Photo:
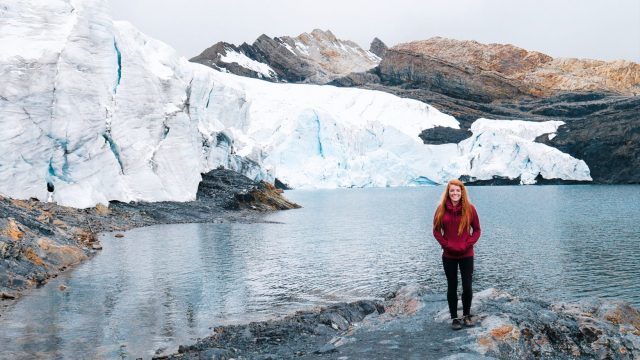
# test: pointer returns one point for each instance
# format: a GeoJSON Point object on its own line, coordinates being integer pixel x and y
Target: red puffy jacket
{"type": "Point", "coordinates": [457, 246]}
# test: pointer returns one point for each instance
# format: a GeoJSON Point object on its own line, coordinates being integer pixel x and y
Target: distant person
{"type": "Point", "coordinates": [456, 226]}
{"type": "Point", "coordinates": [50, 189]}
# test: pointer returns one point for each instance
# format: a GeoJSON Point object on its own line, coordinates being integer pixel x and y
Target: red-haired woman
{"type": "Point", "coordinates": [456, 226]}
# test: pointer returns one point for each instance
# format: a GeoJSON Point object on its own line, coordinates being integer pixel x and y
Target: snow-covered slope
{"type": "Point", "coordinates": [310, 58]}
{"type": "Point", "coordinates": [106, 113]}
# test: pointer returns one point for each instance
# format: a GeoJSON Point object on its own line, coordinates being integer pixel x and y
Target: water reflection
{"type": "Point", "coordinates": [165, 285]}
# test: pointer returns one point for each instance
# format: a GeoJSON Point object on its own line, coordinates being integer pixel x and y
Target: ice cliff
{"type": "Point", "coordinates": [106, 113]}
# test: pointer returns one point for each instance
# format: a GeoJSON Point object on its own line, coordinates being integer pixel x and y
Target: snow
{"type": "Point", "coordinates": [302, 48]}
{"type": "Point", "coordinates": [247, 63]}
{"type": "Point", "coordinates": [506, 148]}
{"type": "Point", "coordinates": [373, 56]}
{"type": "Point", "coordinates": [288, 47]}
{"type": "Point", "coordinates": [106, 113]}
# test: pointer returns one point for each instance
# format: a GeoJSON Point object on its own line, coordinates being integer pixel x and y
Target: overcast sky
{"type": "Point", "coordinates": [605, 30]}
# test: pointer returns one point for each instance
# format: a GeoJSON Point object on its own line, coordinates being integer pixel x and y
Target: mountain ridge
{"type": "Point", "coordinates": [316, 57]}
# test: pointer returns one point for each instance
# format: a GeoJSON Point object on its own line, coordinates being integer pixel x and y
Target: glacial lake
{"type": "Point", "coordinates": [166, 285]}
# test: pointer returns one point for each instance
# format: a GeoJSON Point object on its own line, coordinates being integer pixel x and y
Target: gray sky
{"type": "Point", "coordinates": [604, 30]}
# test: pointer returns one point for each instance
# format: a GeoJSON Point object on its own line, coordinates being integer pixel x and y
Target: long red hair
{"type": "Point", "coordinates": [467, 212]}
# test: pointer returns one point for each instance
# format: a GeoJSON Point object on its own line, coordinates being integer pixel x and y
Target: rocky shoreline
{"type": "Point", "coordinates": [39, 240]}
{"type": "Point", "coordinates": [413, 323]}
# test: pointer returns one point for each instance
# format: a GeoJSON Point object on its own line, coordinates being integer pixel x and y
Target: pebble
{"type": "Point", "coordinates": [7, 296]}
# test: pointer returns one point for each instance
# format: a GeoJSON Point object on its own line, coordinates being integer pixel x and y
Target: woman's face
{"type": "Point", "coordinates": [455, 193]}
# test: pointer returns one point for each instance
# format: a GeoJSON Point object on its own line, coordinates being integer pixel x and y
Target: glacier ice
{"type": "Point", "coordinates": [107, 113]}
{"type": "Point", "coordinates": [506, 148]}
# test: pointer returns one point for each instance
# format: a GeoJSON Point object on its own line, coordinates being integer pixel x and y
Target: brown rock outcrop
{"type": "Point", "coordinates": [532, 72]}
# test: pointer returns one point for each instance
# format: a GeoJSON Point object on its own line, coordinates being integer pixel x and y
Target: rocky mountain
{"type": "Point", "coordinates": [378, 47]}
{"type": "Point", "coordinates": [598, 101]}
{"type": "Point", "coordinates": [317, 58]}
{"type": "Point", "coordinates": [502, 71]}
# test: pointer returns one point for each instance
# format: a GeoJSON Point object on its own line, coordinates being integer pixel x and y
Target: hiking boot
{"type": "Point", "coordinates": [468, 321]}
{"type": "Point", "coordinates": [456, 324]}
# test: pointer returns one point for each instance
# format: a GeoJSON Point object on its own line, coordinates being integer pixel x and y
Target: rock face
{"type": "Point", "coordinates": [598, 101]}
{"type": "Point", "coordinates": [317, 57]}
{"type": "Point", "coordinates": [38, 240]}
{"type": "Point", "coordinates": [235, 192]}
{"type": "Point", "coordinates": [533, 73]}
{"type": "Point", "coordinates": [378, 47]}
{"type": "Point", "coordinates": [401, 66]}
{"type": "Point", "coordinates": [413, 323]}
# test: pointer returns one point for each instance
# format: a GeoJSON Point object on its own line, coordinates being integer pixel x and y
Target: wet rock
{"type": "Point", "coordinates": [305, 332]}
{"type": "Point", "coordinates": [40, 278]}
{"type": "Point", "coordinates": [280, 185]}
{"type": "Point", "coordinates": [334, 320]}
{"type": "Point", "coordinates": [508, 328]}
{"type": "Point", "coordinates": [326, 348]}
{"type": "Point", "coordinates": [405, 301]}
{"type": "Point", "coordinates": [216, 354]}
{"type": "Point", "coordinates": [269, 357]}
{"type": "Point", "coordinates": [10, 228]}
{"type": "Point", "coordinates": [7, 296]}
{"type": "Point", "coordinates": [264, 197]}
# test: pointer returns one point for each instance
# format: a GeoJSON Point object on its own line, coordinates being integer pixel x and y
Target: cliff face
{"type": "Point", "coordinates": [378, 47]}
{"type": "Point", "coordinates": [414, 70]}
{"type": "Point", "coordinates": [317, 57]}
{"type": "Point", "coordinates": [532, 72]}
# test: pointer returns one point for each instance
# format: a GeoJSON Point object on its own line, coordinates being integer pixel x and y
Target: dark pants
{"type": "Point", "coordinates": [466, 272]}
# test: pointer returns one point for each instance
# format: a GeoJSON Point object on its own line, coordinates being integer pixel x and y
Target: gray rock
{"type": "Point", "coordinates": [508, 328]}
{"type": "Point", "coordinates": [215, 354]}
{"type": "Point", "coordinates": [444, 135]}
{"type": "Point", "coordinates": [378, 47]}
{"type": "Point", "coordinates": [308, 58]}
{"type": "Point", "coordinates": [326, 348]}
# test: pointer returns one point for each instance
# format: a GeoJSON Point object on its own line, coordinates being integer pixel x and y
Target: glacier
{"type": "Point", "coordinates": [104, 112]}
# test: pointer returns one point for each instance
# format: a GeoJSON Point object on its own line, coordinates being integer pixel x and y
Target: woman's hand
{"type": "Point", "coordinates": [456, 248]}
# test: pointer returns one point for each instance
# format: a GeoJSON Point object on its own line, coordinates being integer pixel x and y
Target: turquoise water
{"type": "Point", "coordinates": [166, 285]}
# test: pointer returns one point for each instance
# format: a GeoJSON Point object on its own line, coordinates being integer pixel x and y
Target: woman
{"type": "Point", "coordinates": [456, 226]}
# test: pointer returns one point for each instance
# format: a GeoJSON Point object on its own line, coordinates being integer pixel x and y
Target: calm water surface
{"type": "Point", "coordinates": [166, 285]}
